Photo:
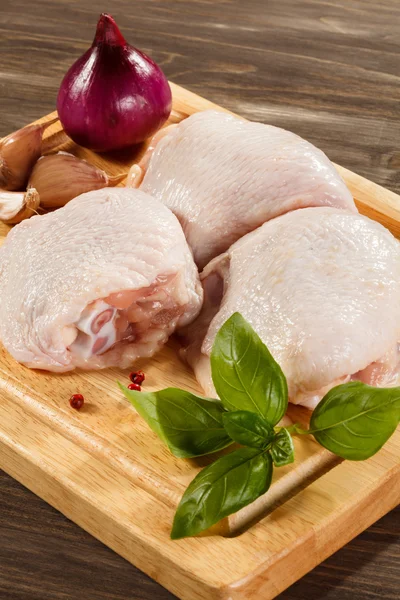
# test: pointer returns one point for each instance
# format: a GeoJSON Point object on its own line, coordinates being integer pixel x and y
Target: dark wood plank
{"type": "Point", "coordinates": [327, 70]}
{"type": "Point", "coordinates": [44, 556]}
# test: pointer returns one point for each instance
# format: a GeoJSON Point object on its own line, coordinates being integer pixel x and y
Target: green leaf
{"type": "Point", "coordinates": [230, 483]}
{"type": "Point", "coordinates": [354, 420]}
{"type": "Point", "coordinates": [245, 374]}
{"type": "Point", "coordinates": [189, 425]}
{"type": "Point", "coordinates": [282, 449]}
{"type": "Point", "coordinates": [247, 428]}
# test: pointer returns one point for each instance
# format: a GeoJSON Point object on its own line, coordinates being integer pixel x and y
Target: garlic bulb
{"type": "Point", "coordinates": [18, 153]}
{"type": "Point", "coordinates": [17, 206]}
{"type": "Point", "coordinates": [58, 178]}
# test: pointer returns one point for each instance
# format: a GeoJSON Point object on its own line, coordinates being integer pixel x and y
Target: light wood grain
{"type": "Point", "coordinates": [104, 469]}
{"type": "Point", "coordinates": [328, 71]}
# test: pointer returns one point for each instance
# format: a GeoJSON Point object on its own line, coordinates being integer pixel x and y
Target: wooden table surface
{"type": "Point", "coordinates": [328, 70]}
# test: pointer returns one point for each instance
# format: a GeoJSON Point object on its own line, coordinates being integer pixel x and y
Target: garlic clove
{"type": "Point", "coordinates": [51, 142]}
{"type": "Point", "coordinates": [18, 153]}
{"type": "Point", "coordinates": [17, 206]}
{"type": "Point", "coordinates": [135, 176]}
{"type": "Point", "coordinates": [60, 177]}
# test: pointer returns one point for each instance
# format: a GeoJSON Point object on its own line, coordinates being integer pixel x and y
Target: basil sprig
{"type": "Point", "coordinates": [248, 429]}
{"type": "Point", "coordinates": [189, 425]}
{"type": "Point", "coordinates": [353, 420]}
{"type": "Point", "coordinates": [230, 483]}
{"type": "Point", "coordinates": [245, 374]}
{"type": "Point", "coordinates": [282, 448]}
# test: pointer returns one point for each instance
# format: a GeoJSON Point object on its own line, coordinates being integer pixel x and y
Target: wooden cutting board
{"type": "Point", "coordinates": [104, 469]}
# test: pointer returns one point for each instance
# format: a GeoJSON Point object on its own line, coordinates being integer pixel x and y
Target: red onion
{"type": "Point", "coordinates": [114, 95]}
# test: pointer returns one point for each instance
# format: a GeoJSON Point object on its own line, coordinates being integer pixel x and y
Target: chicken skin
{"type": "Point", "coordinates": [223, 177]}
{"type": "Point", "coordinates": [98, 283]}
{"type": "Point", "coordinates": [322, 289]}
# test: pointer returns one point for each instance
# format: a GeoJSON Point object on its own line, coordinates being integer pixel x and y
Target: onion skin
{"type": "Point", "coordinates": [114, 96]}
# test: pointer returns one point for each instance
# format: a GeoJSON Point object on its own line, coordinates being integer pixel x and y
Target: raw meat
{"type": "Point", "coordinates": [100, 282]}
{"type": "Point", "coordinates": [223, 177]}
{"type": "Point", "coordinates": [322, 289]}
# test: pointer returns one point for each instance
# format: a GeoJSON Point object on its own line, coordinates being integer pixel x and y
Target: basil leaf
{"type": "Point", "coordinates": [189, 425]}
{"type": "Point", "coordinates": [354, 420]}
{"type": "Point", "coordinates": [245, 374]}
{"type": "Point", "coordinates": [247, 428]}
{"type": "Point", "coordinates": [282, 449]}
{"type": "Point", "coordinates": [230, 483]}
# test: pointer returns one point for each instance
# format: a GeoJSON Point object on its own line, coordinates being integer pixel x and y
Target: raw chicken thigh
{"type": "Point", "coordinates": [322, 289]}
{"type": "Point", "coordinates": [100, 282]}
{"type": "Point", "coordinates": [223, 177]}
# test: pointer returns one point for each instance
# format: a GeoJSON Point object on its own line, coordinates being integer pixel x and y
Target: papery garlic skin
{"type": "Point", "coordinates": [60, 177]}
{"type": "Point", "coordinates": [17, 206]}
